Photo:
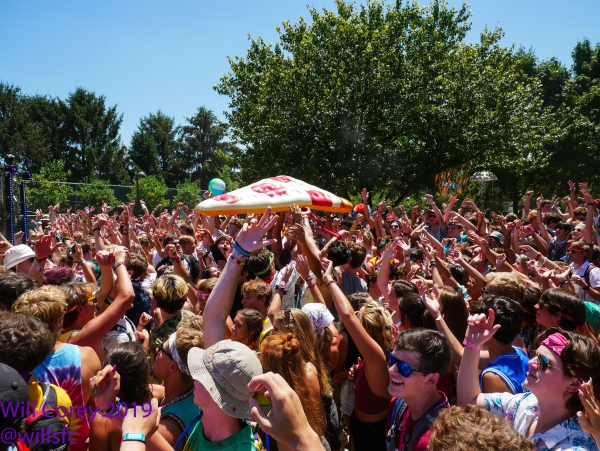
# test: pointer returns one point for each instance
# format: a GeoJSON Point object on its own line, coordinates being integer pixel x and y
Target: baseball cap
{"type": "Point", "coordinates": [17, 254]}
{"type": "Point", "coordinates": [225, 370]}
{"type": "Point", "coordinates": [13, 392]}
{"type": "Point", "coordinates": [496, 235]}
{"type": "Point", "coordinates": [391, 217]}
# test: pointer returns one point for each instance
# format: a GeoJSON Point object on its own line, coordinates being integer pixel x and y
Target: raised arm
{"type": "Point", "coordinates": [219, 303]}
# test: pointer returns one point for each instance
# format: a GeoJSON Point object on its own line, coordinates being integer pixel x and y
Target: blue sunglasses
{"type": "Point", "coordinates": [403, 368]}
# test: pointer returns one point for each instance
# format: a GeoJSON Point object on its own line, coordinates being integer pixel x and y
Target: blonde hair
{"type": "Point", "coordinates": [506, 284]}
{"type": "Point", "coordinates": [260, 289]}
{"type": "Point", "coordinates": [377, 321]}
{"type": "Point", "coordinates": [190, 334]}
{"type": "Point", "coordinates": [46, 303]}
{"type": "Point", "coordinates": [170, 292]}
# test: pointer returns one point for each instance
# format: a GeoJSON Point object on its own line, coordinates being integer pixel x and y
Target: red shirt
{"type": "Point", "coordinates": [408, 424]}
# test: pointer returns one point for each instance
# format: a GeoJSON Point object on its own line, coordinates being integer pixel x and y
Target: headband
{"type": "Point", "coordinates": [555, 342]}
{"type": "Point", "coordinates": [182, 366]}
{"type": "Point", "coordinates": [268, 266]}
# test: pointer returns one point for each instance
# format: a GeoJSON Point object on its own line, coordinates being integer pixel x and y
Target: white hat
{"type": "Point", "coordinates": [17, 254]}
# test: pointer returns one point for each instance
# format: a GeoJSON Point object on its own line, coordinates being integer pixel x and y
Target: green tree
{"type": "Point", "coordinates": [203, 151]}
{"type": "Point", "coordinates": [45, 188]}
{"type": "Point", "coordinates": [93, 143]}
{"type": "Point", "coordinates": [189, 193]}
{"type": "Point", "coordinates": [154, 147]}
{"type": "Point", "coordinates": [153, 191]}
{"type": "Point", "coordinates": [96, 192]}
{"type": "Point", "coordinates": [377, 96]}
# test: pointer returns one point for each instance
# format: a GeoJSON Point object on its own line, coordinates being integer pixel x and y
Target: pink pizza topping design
{"type": "Point", "coordinates": [319, 199]}
{"type": "Point", "coordinates": [228, 198]}
{"type": "Point", "coordinates": [281, 178]}
{"type": "Point", "coordinates": [269, 189]}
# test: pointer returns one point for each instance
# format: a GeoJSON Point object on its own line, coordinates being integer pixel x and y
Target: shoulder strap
{"type": "Point", "coordinates": [423, 424]}
{"type": "Point", "coordinates": [396, 423]}
{"type": "Point", "coordinates": [187, 430]}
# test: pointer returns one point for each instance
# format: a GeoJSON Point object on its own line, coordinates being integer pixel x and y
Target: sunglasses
{"type": "Point", "coordinates": [162, 349]}
{"type": "Point", "coordinates": [544, 362]}
{"type": "Point", "coordinates": [176, 243]}
{"type": "Point", "coordinates": [394, 226]}
{"type": "Point", "coordinates": [573, 251]}
{"type": "Point", "coordinates": [92, 300]}
{"type": "Point", "coordinates": [230, 230]}
{"type": "Point", "coordinates": [403, 368]}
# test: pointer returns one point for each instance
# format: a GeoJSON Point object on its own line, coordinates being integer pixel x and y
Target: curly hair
{"type": "Point", "coordinates": [170, 293]}
{"type": "Point", "coordinates": [260, 289]}
{"type": "Point", "coordinates": [505, 284]}
{"type": "Point", "coordinates": [297, 322]}
{"type": "Point", "coordinates": [338, 253]}
{"type": "Point", "coordinates": [190, 334]}
{"type": "Point", "coordinates": [281, 354]}
{"type": "Point", "coordinates": [470, 428]}
{"type": "Point", "coordinates": [59, 275]}
{"type": "Point", "coordinates": [25, 341]}
{"type": "Point", "coordinates": [47, 304]}
{"type": "Point", "coordinates": [134, 368]}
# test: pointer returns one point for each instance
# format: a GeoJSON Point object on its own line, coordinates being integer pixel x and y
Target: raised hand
{"type": "Point", "coordinates": [250, 238]}
{"type": "Point", "coordinates": [365, 196]}
{"type": "Point", "coordinates": [590, 419]}
{"type": "Point", "coordinates": [302, 266]}
{"type": "Point", "coordinates": [99, 221]}
{"type": "Point", "coordinates": [480, 329]}
{"type": "Point", "coordinates": [43, 247]}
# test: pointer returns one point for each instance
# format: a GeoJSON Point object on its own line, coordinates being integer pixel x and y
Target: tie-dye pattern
{"type": "Point", "coordinates": [63, 368]}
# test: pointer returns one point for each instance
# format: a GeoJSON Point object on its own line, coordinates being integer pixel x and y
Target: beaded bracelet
{"type": "Point", "coordinates": [236, 261]}
{"type": "Point", "coordinates": [240, 249]}
{"type": "Point", "coordinates": [176, 260]}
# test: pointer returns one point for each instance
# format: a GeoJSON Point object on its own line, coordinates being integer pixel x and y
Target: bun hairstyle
{"type": "Point", "coordinates": [281, 354]}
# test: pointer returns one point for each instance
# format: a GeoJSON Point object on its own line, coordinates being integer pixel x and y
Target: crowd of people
{"type": "Point", "coordinates": [381, 329]}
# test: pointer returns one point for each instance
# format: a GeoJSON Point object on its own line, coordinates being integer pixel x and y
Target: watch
{"type": "Point", "coordinates": [282, 286]}
{"type": "Point", "coordinates": [587, 287]}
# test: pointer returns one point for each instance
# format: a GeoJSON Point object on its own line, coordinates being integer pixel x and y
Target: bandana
{"type": "Point", "coordinates": [182, 366]}
{"type": "Point", "coordinates": [319, 315]}
{"type": "Point", "coordinates": [556, 342]}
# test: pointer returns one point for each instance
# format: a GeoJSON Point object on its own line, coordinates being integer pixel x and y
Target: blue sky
{"type": "Point", "coordinates": [168, 55]}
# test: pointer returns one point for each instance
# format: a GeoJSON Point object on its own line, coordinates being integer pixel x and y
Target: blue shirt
{"type": "Point", "coordinates": [511, 368]}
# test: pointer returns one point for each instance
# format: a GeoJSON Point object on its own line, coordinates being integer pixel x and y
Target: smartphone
{"type": "Point", "coordinates": [73, 248]}
{"type": "Point", "coordinates": [87, 211]}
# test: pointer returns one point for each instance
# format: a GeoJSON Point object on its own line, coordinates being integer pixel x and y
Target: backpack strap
{"type": "Point", "coordinates": [396, 423]}
{"type": "Point", "coordinates": [422, 425]}
{"type": "Point", "coordinates": [586, 274]}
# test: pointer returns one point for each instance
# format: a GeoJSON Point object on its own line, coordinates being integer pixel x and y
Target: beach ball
{"type": "Point", "coordinates": [216, 186]}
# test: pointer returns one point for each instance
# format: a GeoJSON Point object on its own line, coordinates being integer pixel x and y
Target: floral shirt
{"type": "Point", "coordinates": [522, 410]}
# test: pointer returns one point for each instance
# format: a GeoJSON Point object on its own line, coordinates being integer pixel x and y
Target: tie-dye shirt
{"type": "Point", "coordinates": [522, 410]}
{"type": "Point", "coordinates": [63, 368]}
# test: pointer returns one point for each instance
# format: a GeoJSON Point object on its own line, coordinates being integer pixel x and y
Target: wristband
{"type": "Point", "coordinates": [439, 317]}
{"type": "Point", "coordinates": [94, 230]}
{"type": "Point", "coordinates": [587, 287]}
{"type": "Point", "coordinates": [117, 265]}
{"type": "Point", "coordinates": [241, 250]}
{"type": "Point", "coordinates": [469, 344]}
{"type": "Point", "coordinates": [330, 283]}
{"type": "Point", "coordinates": [176, 260]}
{"type": "Point", "coordinates": [134, 437]}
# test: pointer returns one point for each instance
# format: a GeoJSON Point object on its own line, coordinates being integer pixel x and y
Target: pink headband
{"type": "Point", "coordinates": [556, 342]}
